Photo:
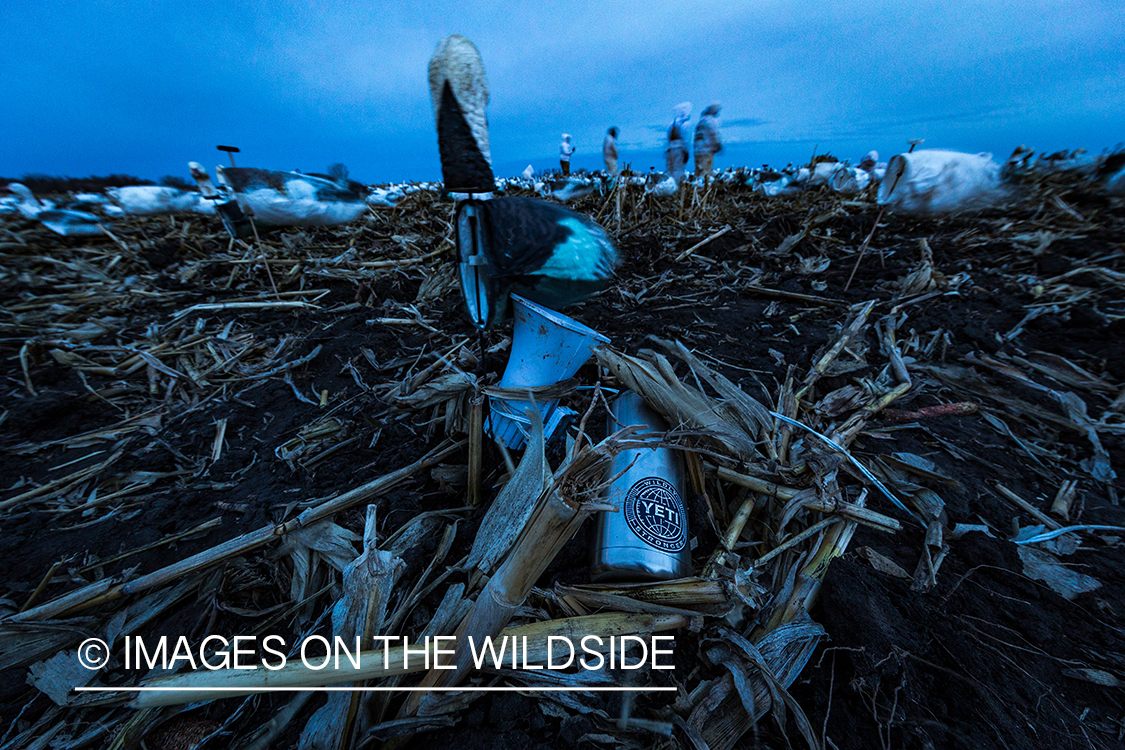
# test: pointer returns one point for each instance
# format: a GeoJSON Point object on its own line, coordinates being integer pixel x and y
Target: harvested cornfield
{"type": "Point", "coordinates": [901, 437]}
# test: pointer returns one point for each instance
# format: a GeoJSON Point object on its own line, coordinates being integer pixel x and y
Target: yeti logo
{"type": "Point", "coordinates": [655, 513]}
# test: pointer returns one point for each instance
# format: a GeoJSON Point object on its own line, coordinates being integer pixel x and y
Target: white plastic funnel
{"type": "Point", "coordinates": [547, 347]}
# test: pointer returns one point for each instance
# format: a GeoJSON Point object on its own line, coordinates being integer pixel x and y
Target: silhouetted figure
{"type": "Point", "coordinates": [566, 148]}
{"type": "Point", "coordinates": [609, 151]}
{"type": "Point", "coordinates": [676, 155]}
{"type": "Point", "coordinates": [707, 141]}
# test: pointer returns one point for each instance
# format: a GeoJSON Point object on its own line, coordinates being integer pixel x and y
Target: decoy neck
{"type": "Point", "coordinates": [459, 93]}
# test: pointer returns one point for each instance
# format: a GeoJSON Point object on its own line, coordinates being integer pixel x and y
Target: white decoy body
{"type": "Point", "coordinates": [530, 247]}
{"type": "Point", "coordinates": [775, 184]}
{"type": "Point", "coordinates": [282, 199]}
{"type": "Point", "coordinates": [155, 200]}
{"type": "Point", "coordinates": [822, 173]}
{"type": "Point", "coordinates": [88, 199]}
{"type": "Point", "coordinates": [849, 180]}
{"type": "Point", "coordinates": [388, 197]}
{"type": "Point", "coordinates": [933, 181]}
{"type": "Point", "coordinates": [570, 188]}
{"type": "Point", "coordinates": [661, 185]}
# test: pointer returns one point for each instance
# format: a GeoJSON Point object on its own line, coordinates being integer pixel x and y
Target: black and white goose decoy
{"type": "Point", "coordinates": [530, 247]}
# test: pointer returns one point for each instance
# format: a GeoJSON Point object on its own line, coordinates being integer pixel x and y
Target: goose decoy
{"type": "Point", "coordinates": [526, 246]}
{"type": "Point", "coordinates": [71, 223]}
{"type": "Point", "coordinates": [570, 188]}
{"type": "Point", "coordinates": [775, 184]}
{"type": "Point", "coordinates": [29, 206]}
{"type": "Point", "coordinates": [224, 204]}
{"type": "Point", "coordinates": [155, 200]}
{"type": "Point", "coordinates": [283, 199]}
{"type": "Point", "coordinates": [849, 180]}
{"type": "Point", "coordinates": [661, 185]}
{"type": "Point", "coordinates": [1111, 172]}
{"type": "Point", "coordinates": [385, 196]}
{"type": "Point", "coordinates": [934, 181]}
{"type": "Point", "coordinates": [64, 221]}
{"type": "Point", "coordinates": [87, 199]}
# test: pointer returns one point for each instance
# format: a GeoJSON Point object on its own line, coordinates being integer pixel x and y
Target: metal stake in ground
{"type": "Point", "coordinates": [231, 151]}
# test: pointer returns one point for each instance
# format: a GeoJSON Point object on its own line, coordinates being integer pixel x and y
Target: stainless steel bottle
{"type": "Point", "coordinates": [648, 539]}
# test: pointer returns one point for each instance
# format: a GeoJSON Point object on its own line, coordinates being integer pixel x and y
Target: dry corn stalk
{"type": "Point", "coordinates": [109, 590]}
{"type": "Point", "coordinates": [559, 511]}
{"type": "Point", "coordinates": [655, 381]}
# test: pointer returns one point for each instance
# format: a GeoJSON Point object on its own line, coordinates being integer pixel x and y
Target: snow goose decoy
{"type": "Point", "coordinates": [293, 199]}
{"type": "Point", "coordinates": [661, 185]}
{"type": "Point", "coordinates": [570, 188]}
{"type": "Point", "coordinates": [66, 222]}
{"type": "Point", "coordinates": [1111, 172]}
{"type": "Point", "coordinates": [88, 199]}
{"type": "Point", "coordinates": [934, 181]}
{"type": "Point", "coordinates": [71, 223]}
{"type": "Point", "coordinates": [222, 203]}
{"type": "Point", "coordinates": [533, 248]}
{"type": "Point", "coordinates": [385, 196]}
{"type": "Point", "coordinates": [777, 184]}
{"type": "Point", "coordinates": [29, 206]}
{"type": "Point", "coordinates": [153, 200]}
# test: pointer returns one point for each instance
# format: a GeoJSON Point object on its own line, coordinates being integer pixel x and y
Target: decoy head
{"type": "Point", "coordinates": [459, 93]}
{"type": "Point", "coordinates": [24, 192]}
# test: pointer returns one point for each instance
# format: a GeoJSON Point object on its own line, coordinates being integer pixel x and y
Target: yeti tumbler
{"type": "Point", "coordinates": [647, 540]}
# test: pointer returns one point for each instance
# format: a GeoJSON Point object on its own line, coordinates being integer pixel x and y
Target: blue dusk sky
{"type": "Point", "coordinates": [144, 87]}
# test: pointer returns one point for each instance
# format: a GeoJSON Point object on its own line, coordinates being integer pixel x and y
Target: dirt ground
{"type": "Point", "coordinates": [1023, 302]}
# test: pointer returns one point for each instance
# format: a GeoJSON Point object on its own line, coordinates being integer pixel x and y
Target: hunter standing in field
{"type": "Point", "coordinates": [676, 155]}
{"type": "Point", "coordinates": [566, 148]}
{"type": "Point", "coordinates": [707, 141]}
{"type": "Point", "coordinates": [609, 151]}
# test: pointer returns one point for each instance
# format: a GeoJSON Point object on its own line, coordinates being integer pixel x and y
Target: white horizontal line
{"type": "Point", "coordinates": [592, 689]}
